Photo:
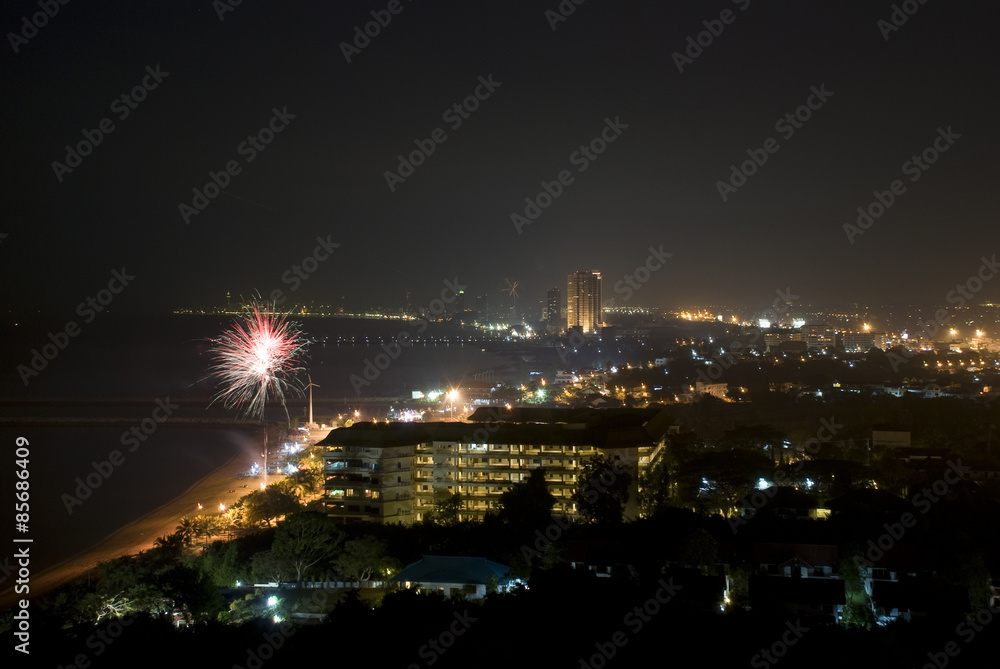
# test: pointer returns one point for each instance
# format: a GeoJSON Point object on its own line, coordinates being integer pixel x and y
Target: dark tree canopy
{"type": "Point", "coordinates": [528, 502]}
{"type": "Point", "coordinates": [602, 490]}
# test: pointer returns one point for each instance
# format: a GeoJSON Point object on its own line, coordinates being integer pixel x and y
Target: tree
{"type": "Point", "coordinates": [263, 506]}
{"type": "Point", "coordinates": [507, 394]}
{"type": "Point", "coordinates": [268, 567]}
{"type": "Point", "coordinates": [221, 563]}
{"type": "Point", "coordinates": [755, 439]}
{"type": "Point", "coordinates": [304, 540]}
{"type": "Point", "coordinates": [171, 545]}
{"type": "Point", "coordinates": [654, 487]}
{"type": "Point", "coordinates": [602, 490]}
{"type": "Point", "coordinates": [206, 527]}
{"type": "Point", "coordinates": [363, 558]}
{"type": "Point", "coordinates": [717, 480]}
{"type": "Point", "coordinates": [187, 530]}
{"type": "Point", "coordinates": [528, 502]}
{"type": "Point", "coordinates": [447, 510]}
{"type": "Point", "coordinates": [699, 550]}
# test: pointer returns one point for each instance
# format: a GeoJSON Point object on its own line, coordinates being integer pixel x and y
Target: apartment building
{"type": "Point", "coordinates": [398, 472]}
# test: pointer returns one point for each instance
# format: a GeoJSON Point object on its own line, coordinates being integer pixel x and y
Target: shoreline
{"type": "Point", "coordinates": [139, 535]}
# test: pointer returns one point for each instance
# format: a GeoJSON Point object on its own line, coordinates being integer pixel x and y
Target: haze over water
{"type": "Point", "coordinates": [118, 367]}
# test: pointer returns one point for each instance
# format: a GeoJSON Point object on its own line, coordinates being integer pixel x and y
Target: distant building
{"type": "Point", "coordinates": [483, 308]}
{"type": "Point", "coordinates": [584, 301]}
{"type": "Point", "coordinates": [862, 342]}
{"type": "Point", "coordinates": [818, 336]}
{"type": "Point", "coordinates": [714, 389]}
{"type": "Point", "coordinates": [887, 437]}
{"type": "Point", "coordinates": [774, 337]}
{"type": "Point", "coordinates": [552, 300]}
{"type": "Point", "coordinates": [458, 304]}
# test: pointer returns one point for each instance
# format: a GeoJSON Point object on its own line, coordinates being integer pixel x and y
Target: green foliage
{"type": "Point", "coordinates": [264, 506]}
{"type": "Point", "coordinates": [739, 585]}
{"type": "Point", "coordinates": [858, 616]}
{"type": "Point", "coordinates": [267, 567]}
{"type": "Point", "coordinates": [365, 558]}
{"type": "Point", "coordinates": [850, 573]}
{"type": "Point", "coordinates": [221, 563]}
{"type": "Point", "coordinates": [305, 540]}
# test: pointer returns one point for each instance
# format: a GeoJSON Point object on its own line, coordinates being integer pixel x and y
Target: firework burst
{"type": "Point", "coordinates": [258, 358]}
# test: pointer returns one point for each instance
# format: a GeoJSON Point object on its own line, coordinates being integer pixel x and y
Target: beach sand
{"type": "Point", "coordinates": [140, 534]}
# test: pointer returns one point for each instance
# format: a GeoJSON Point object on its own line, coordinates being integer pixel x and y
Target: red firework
{"type": "Point", "coordinates": [258, 358]}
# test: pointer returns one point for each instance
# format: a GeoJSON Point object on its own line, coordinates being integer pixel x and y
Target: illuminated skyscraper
{"type": "Point", "coordinates": [552, 305]}
{"type": "Point", "coordinates": [583, 301]}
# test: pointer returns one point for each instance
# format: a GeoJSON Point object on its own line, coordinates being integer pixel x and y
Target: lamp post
{"type": "Point", "coordinates": [310, 387]}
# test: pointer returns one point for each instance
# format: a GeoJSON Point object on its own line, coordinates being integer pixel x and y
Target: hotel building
{"type": "Point", "coordinates": [398, 472]}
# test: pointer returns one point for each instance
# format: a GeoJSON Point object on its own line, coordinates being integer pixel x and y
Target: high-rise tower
{"type": "Point", "coordinates": [552, 305]}
{"type": "Point", "coordinates": [583, 301]}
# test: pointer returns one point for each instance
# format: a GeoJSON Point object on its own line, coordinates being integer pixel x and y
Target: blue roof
{"type": "Point", "coordinates": [449, 569]}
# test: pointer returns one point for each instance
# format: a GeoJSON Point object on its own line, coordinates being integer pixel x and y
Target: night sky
{"type": "Point", "coordinates": [345, 123]}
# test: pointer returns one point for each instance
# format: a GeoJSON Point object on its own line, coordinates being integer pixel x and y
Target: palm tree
{"type": "Point", "coordinates": [186, 530]}
{"type": "Point", "coordinates": [172, 544]}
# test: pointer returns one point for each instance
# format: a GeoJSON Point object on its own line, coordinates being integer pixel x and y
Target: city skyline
{"type": "Point", "coordinates": [820, 162]}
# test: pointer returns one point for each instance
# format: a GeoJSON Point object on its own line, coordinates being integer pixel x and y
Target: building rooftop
{"type": "Point", "coordinates": [451, 569]}
{"type": "Point", "coordinates": [621, 431]}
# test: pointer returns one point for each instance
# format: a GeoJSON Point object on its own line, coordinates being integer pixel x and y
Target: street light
{"type": "Point", "coordinates": [452, 394]}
